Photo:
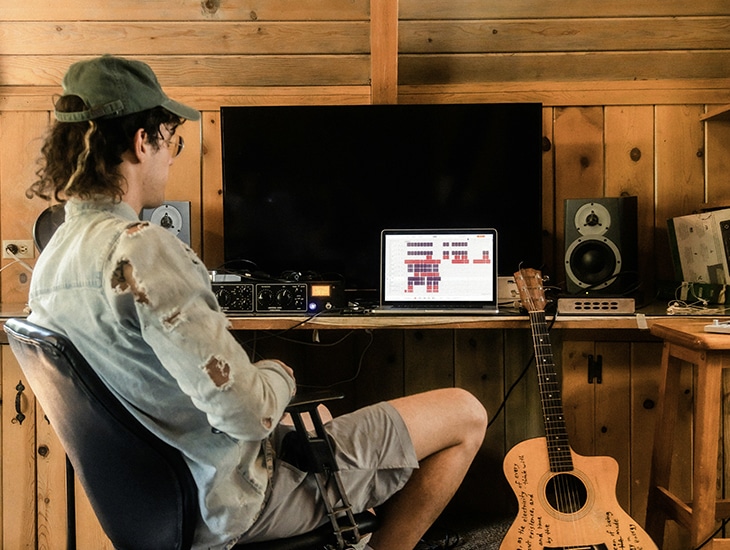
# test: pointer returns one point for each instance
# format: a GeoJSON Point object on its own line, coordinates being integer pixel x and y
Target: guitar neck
{"type": "Point", "coordinates": [556, 432]}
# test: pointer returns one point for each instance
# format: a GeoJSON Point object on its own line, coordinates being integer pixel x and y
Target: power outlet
{"type": "Point", "coordinates": [20, 249]}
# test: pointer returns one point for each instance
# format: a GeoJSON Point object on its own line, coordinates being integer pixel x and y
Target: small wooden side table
{"type": "Point", "coordinates": [685, 341]}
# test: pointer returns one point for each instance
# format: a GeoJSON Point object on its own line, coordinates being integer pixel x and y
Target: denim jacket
{"type": "Point", "coordinates": [138, 304]}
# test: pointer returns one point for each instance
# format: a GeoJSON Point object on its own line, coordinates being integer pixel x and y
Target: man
{"type": "Point", "coordinates": [138, 304]}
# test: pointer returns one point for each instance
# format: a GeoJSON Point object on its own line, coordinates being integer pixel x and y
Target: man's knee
{"type": "Point", "coordinates": [467, 414]}
{"type": "Point", "coordinates": [473, 412]}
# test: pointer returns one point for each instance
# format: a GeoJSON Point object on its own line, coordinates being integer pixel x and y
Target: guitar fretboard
{"type": "Point", "coordinates": [556, 433]}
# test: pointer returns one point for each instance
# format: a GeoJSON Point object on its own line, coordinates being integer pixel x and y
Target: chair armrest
{"type": "Point", "coordinates": [308, 401]}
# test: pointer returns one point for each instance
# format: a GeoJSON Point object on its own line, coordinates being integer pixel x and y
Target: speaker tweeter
{"type": "Point", "coordinates": [601, 254]}
{"type": "Point", "coordinates": [173, 216]}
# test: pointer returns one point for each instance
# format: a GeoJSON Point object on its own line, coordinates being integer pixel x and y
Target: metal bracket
{"type": "Point", "coordinates": [595, 369]}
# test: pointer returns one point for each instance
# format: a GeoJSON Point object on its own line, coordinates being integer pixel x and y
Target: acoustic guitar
{"type": "Point", "coordinates": [566, 501]}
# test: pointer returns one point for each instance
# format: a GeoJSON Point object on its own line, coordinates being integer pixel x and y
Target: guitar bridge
{"type": "Point", "coordinates": [589, 547]}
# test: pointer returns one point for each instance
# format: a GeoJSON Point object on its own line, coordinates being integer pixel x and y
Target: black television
{"type": "Point", "coordinates": [307, 190]}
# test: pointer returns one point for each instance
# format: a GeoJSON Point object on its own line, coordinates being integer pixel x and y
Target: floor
{"type": "Point", "coordinates": [486, 535]}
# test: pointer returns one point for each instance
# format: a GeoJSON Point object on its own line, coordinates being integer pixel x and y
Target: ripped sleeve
{"type": "Point", "coordinates": [168, 289]}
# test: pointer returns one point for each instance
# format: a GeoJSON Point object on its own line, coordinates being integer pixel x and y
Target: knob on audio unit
{"type": "Point", "coordinates": [281, 298]}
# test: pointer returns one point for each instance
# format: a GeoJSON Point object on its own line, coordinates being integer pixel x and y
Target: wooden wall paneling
{"type": "Point", "coordinates": [138, 38]}
{"type": "Point", "coordinates": [568, 92]}
{"type": "Point", "coordinates": [320, 359]}
{"type": "Point", "coordinates": [717, 159]}
{"type": "Point", "coordinates": [329, 358]}
{"type": "Point", "coordinates": [212, 10]}
{"type": "Point", "coordinates": [579, 398]}
{"type": "Point", "coordinates": [680, 484]}
{"type": "Point", "coordinates": [522, 414]}
{"type": "Point", "coordinates": [629, 150]}
{"type": "Point", "coordinates": [548, 198]}
{"type": "Point", "coordinates": [185, 179]}
{"type": "Point", "coordinates": [21, 134]}
{"type": "Point", "coordinates": [89, 534]}
{"type": "Point", "coordinates": [207, 70]}
{"type": "Point", "coordinates": [479, 368]}
{"type": "Point", "coordinates": [723, 474]}
{"type": "Point", "coordinates": [212, 190]}
{"type": "Point", "coordinates": [644, 392]}
{"type": "Point", "coordinates": [18, 458]}
{"type": "Point", "coordinates": [578, 139]}
{"type": "Point", "coordinates": [211, 98]}
{"type": "Point", "coordinates": [613, 412]}
{"type": "Point", "coordinates": [2, 464]}
{"type": "Point", "coordinates": [51, 485]}
{"type": "Point", "coordinates": [274, 345]}
{"type": "Point", "coordinates": [512, 9]}
{"type": "Point", "coordinates": [382, 371]}
{"type": "Point", "coordinates": [428, 360]}
{"type": "Point", "coordinates": [384, 50]}
{"type": "Point", "coordinates": [596, 67]}
{"type": "Point", "coordinates": [680, 188]}
{"type": "Point", "coordinates": [563, 35]}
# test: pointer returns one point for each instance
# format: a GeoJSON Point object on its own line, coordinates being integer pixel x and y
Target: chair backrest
{"type": "Point", "coordinates": [139, 487]}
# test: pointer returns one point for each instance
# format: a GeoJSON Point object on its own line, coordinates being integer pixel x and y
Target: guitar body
{"type": "Point", "coordinates": [589, 518]}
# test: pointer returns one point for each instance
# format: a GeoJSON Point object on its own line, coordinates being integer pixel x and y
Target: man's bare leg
{"type": "Point", "coordinates": [447, 428]}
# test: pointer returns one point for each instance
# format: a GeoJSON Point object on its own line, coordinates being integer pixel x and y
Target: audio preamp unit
{"type": "Point", "coordinates": [234, 297]}
{"type": "Point", "coordinates": [307, 297]}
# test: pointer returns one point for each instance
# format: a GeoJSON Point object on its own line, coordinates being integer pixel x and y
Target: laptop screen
{"type": "Point", "coordinates": [434, 268]}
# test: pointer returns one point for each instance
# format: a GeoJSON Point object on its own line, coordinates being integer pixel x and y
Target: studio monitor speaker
{"type": "Point", "coordinates": [173, 216]}
{"type": "Point", "coordinates": [601, 255]}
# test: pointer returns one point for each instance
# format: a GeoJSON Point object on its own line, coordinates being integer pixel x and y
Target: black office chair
{"type": "Point", "coordinates": [140, 487]}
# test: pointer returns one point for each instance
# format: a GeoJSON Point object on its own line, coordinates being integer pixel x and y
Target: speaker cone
{"type": "Point", "coordinates": [592, 263]}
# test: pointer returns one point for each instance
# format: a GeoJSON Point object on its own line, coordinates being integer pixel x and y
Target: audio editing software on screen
{"type": "Point", "coordinates": [445, 267]}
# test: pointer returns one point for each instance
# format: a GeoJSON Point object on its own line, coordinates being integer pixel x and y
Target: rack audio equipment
{"type": "Point", "coordinates": [289, 298]}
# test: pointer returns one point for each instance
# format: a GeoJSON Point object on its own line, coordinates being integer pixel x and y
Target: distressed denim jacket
{"type": "Point", "coordinates": [137, 303]}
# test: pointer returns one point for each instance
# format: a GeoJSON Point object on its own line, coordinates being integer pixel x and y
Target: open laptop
{"type": "Point", "coordinates": [438, 271]}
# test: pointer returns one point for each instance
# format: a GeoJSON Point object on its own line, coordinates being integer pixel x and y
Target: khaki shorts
{"type": "Point", "coordinates": [375, 455]}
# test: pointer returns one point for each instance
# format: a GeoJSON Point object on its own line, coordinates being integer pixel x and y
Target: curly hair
{"type": "Point", "coordinates": [80, 159]}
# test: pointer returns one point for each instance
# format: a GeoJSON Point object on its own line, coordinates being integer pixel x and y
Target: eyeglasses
{"type": "Point", "coordinates": [175, 144]}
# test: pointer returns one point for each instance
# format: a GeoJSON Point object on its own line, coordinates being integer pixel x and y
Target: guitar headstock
{"type": "Point", "coordinates": [529, 285]}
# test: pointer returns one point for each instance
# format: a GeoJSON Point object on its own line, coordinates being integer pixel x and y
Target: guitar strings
{"type": "Point", "coordinates": [566, 491]}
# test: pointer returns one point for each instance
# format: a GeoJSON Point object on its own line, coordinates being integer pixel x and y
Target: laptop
{"type": "Point", "coordinates": [438, 271]}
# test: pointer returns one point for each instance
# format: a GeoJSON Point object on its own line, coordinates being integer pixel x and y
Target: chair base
{"type": "Point", "coordinates": [321, 538]}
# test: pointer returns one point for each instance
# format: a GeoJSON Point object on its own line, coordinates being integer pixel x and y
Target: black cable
{"type": "Point", "coordinates": [281, 336]}
{"type": "Point", "coordinates": [530, 361]}
{"type": "Point", "coordinates": [357, 371]}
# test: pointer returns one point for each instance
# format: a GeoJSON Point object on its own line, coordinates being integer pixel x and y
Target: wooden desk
{"type": "Point", "coordinates": [501, 321]}
{"type": "Point", "coordinates": [686, 341]}
{"type": "Point", "coordinates": [506, 319]}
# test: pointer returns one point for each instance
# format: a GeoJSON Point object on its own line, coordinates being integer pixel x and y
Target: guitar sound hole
{"type": "Point", "coordinates": [566, 493]}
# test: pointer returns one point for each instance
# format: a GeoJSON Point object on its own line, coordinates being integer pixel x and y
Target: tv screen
{"type": "Point", "coordinates": [308, 189]}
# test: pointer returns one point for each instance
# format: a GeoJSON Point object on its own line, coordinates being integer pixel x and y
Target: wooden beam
{"type": "Point", "coordinates": [384, 50]}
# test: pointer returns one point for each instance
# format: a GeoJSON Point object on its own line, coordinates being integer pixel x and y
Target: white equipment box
{"type": "Point", "coordinates": [700, 245]}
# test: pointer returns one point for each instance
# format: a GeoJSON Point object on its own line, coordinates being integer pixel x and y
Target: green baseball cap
{"type": "Point", "coordinates": [113, 86]}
